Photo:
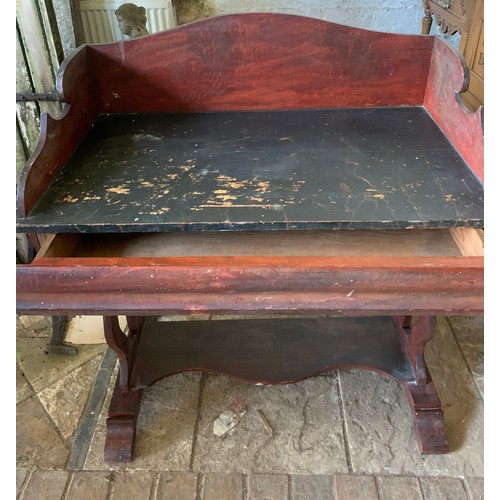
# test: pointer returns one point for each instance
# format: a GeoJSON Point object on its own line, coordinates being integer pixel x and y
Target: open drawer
{"type": "Point", "coordinates": [276, 272]}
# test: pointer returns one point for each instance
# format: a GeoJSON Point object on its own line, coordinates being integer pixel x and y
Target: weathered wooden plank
{"type": "Point", "coordinates": [469, 241]}
{"type": "Point", "coordinates": [39, 60]}
{"type": "Point", "coordinates": [20, 154]}
{"type": "Point", "coordinates": [28, 122]}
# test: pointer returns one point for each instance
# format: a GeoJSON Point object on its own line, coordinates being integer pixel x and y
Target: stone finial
{"type": "Point", "coordinates": [132, 20]}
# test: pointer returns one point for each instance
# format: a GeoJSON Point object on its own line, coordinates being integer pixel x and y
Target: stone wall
{"type": "Point", "coordinates": [396, 16]}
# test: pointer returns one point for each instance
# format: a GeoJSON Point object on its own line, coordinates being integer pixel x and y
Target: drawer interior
{"type": "Point", "coordinates": [454, 242]}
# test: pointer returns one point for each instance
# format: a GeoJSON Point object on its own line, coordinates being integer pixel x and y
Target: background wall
{"type": "Point", "coordinates": [399, 16]}
{"type": "Point", "coordinates": [395, 16]}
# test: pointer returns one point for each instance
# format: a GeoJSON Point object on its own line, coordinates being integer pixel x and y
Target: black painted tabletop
{"type": "Point", "coordinates": [306, 169]}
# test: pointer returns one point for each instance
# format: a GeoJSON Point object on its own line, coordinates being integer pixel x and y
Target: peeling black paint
{"type": "Point", "coordinates": [306, 169]}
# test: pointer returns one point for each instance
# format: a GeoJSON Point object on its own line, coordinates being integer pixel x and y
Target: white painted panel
{"type": "Point", "coordinates": [100, 24]}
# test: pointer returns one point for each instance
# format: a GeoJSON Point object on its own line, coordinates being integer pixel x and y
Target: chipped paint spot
{"type": "Point", "coordinates": [119, 190]}
{"type": "Point", "coordinates": [220, 191]}
{"type": "Point", "coordinates": [92, 198]}
{"type": "Point", "coordinates": [263, 187]}
{"type": "Point", "coordinates": [70, 199]}
{"type": "Point", "coordinates": [219, 205]}
{"type": "Point", "coordinates": [147, 184]}
{"type": "Point", "coordinates": [225, 197]}
{"type": "Point", "coordinates": [237, 185]}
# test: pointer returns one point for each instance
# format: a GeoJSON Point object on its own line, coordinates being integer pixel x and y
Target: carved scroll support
{"type": "Point", "coordinates": [124, 346]}
{"type": "Point", "coordinates": [428, 416]}
{"type": "Point", "coordinates": [414, 338]}
{"type": "Point", "coordinates": [121, 425]}
{"type": "Point", "coordinates": [125, 402]}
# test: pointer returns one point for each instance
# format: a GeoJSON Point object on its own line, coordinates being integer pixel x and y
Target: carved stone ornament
{"type": "Point", "coordinates": [446, 4]}
{"type": "Point", "coordinates": [132, 20]}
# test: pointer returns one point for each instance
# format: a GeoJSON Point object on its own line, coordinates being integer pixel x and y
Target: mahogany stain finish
{"type": "Point", "coordinates": [448, 77]}
{"type": "Point", "coordinates": [261, 61]}
{"type": "Point", "coordinates": [259, 122]}
{"type": "Point", "coordinates": [59, 136]}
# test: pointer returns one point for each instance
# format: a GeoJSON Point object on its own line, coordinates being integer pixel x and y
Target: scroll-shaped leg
{"type": "Point", "coordinates": [118, 341]}
{"type": "Point", "coordinates": [428, 418]}
{"type": "Point", "coordinates": [414, 338]}
{"type": "Point", "coordinates": [125, 403]}
{"type": "Point", "coordinates": [121, 425]}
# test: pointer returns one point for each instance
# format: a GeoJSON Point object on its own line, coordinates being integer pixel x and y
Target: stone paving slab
{"type": "Point", "coordinates": [475, 488]}
{"type": "Point", "coordinates": [34, 484]}
{"type": "Point", "coordinates": [311, 487]}
{"type": "Point", "coordinates": [65, 406]}
{"type": "Point", "coordinates": [23, 389]}
{"type": "Point", "coordinates": [305, 419]}
{"type": "Point", "coordinates": [89, 486]}
{"type": "Point", "coordinates": [379, 421]}
{"type": "Point", "coordinates": [178, 485]}
{"type": "Point", "coordinates": [131, 485]}
{"type": "Point", "coordinates": [46, 485]}
{"type": "Point", "coordinates": [443, 489]}
{"type": "Point", "coordinates": [352, 487]}
{"type": "Point", "coordinates": [33, 326]}
{"type": "Point", "coordinates": [223, 486]}
{"type": "Point", "coordinates": [398, 488]}
{"type": "Point", "coordinates": [469, 331]}
{"type": "Point", "coordinates": [165, 427]}
{"type": "Point", "coordinates": [37, 442]}
{"type": "Point", "coordinates": [272, 486]}
{"type": "Point", "coordinates": [180, 458]}
{"type": "Point", "coordinates": [42, 369]}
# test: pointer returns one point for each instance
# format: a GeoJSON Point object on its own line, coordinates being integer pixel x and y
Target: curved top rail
{"type": "Point", "coordinates": [257, 61]}
{"type": "Point", "coordinates": [448, 79]}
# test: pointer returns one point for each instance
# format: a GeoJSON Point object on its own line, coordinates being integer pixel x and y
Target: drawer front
{"type": "Point", "coordinates": [340, 274]}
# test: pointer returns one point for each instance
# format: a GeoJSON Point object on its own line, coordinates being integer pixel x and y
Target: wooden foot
{"type": "Point", "coordinates": [121, 425]}
{"type": "Point", "coordinates": [428, 418]}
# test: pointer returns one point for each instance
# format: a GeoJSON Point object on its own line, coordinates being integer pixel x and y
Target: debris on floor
{"type": "Point", "coordinates": [229, 419]}
{"type": "Point", "coordinates": [266, 423]}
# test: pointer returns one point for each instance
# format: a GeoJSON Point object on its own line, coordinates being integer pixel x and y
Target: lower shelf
{"type": "Point", "coordinates": [269, 351]}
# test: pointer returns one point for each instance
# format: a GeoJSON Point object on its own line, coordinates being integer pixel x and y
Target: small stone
{"type": "Point", "coordinates": [227, 420]}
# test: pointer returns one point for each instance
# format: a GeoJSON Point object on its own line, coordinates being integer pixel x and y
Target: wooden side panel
{"type": "Point", "coordinates": [261, 61]}
{"type": "Point", "coordinates": [59, 137]}
{"type": "Point", "coordinates": [448, 77]}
